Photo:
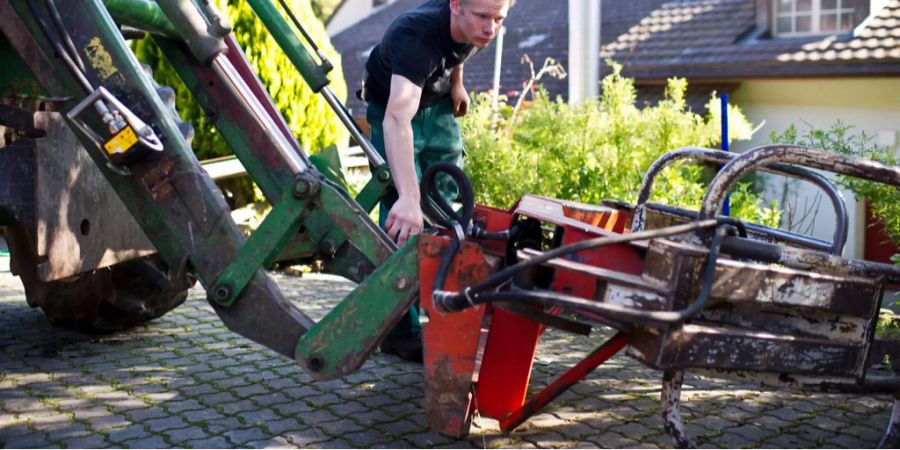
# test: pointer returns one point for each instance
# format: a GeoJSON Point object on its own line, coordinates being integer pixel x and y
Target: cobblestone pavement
{"type": "Point", "coordinates": [185, 381]}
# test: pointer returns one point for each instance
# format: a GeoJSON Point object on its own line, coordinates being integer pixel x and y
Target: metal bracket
{"type": "Point", "coordinates": [374, 190]}
{"type": "Point", "coordinates": [264, 244]}
{"type": "Point", "coordinates": [342, 341]}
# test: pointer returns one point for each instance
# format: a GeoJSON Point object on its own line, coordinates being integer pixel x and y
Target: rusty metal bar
{"type": "Point", "coordinates": [564, 382]}
{"type": "Point", "coordinates": [717, 156]}
{"type": "Point", "coordinates": [756, 229]}
{"type": "Point", "coordinates": [808, 260]}
{"type": "Point", "coordinates": [792, 154]}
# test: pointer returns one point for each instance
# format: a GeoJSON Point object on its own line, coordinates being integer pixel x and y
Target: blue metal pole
{"type": "Point", "coordinates": [726, 207]}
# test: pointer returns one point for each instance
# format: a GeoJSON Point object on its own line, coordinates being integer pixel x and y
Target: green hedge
{"type": "Point", "coordinates": [598, 149]}
{"type": "Point", "coordinates": [307, 114]}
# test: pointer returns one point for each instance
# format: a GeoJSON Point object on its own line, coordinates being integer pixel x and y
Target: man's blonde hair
{"type": "Point", "coordinates": [511, 2]}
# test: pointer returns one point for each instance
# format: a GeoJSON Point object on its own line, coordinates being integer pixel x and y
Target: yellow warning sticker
{"type": "Point", "coordinates": [121, 142]}
{"type": "Point", "coordinates": [100, 59]}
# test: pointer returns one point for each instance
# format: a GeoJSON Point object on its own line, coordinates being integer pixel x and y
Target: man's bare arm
{"type": "Point", "coordinates": [405, 218]}
{"type": "Point", "coordinates": [458, 94]}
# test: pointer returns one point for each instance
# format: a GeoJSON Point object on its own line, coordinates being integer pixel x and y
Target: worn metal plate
{"type": "Point", "coordinates": [342, 341]}
{"type": "Point", "coordinates": [715, 347]}
{"type": "Point", "coordinates": [451, 340]}
{"type": "Point", "coordinates": [17, 182]}
{"type": "Point", "coordinates": [81, 222]}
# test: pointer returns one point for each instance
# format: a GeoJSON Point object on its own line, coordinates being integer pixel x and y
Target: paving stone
{"type": "Point", "coordinates": [213, 442]}
{"type": "Point", "coordinates": [339, 427]}
{"type": "Point", "coordinates": [863, 432]}
{"type": "Point", "coordinates": [93, 441]}
{"type": "Point", "coordinates": [242, 436]}
{"type": "Point", "coordinates": [224, 425]}
{"type": "Point", "coordinates": [30, 440]}
{"type": "Point", "coordinates": [332, 443]}
{"type": "Point", "coordinates": [142, 415]}
{"type": "Point", "coordinates": [282, 425]}
{"type": "Point", "coordinates": [275, 442]}
{"type": "Point", "coordinates": [202, 415]}
{"type": "Point", "coordinates": [135, 431]}
{"type": "Point", "coordinates": [165, 423]}
{"type": "Point", "coordinates": [611, 439]}
{"type": "Point", "coordinates": [366, 438]}
{"type": "Point", "coordinates": [218, 399]}
{"type": "Point", "coordinates": [52, 421]}
{"type": "Point", "coordinates": [73, 430]}
{"type": "Point", "coordinates": [126, 405]}
{"type": "Point", "coordinates": [249, 391]}
{"type": "Point", "coordinates": [306, 437]}
{"type": "Point", "coordinates": [400, 427]}
{"type": "Point", "coordinates": [784, 440]}
{"type": "Point", "coordinates": [196, 390]}
{"type": "Point", "coordinates": [235, 407]}
{"type": "Point", "coordinates": [373, 418]}
{"type": "Point", "coordinates": [181, 435]}
{"type": "Point", "coordinates": [176, 407]}
{"type": "Point", "coordinates": [148, 442]}
{"type": "Point", "coordinates": [108, 422]}
{"type": "Point", "coordinates": [90, 413]}
{"type": "Point", "coordinates": [316, 417]}
{"type": "Point", "coordinates": [632, 430]}
{"type": "Point", "coordinates": [731, 439]}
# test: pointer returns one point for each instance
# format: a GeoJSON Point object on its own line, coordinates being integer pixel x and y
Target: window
{"type": "Point", "coordinates": [808, 17]}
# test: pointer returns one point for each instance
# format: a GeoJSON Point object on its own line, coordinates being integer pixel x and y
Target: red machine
{"type": "Point", "coordinates": [683, 290]}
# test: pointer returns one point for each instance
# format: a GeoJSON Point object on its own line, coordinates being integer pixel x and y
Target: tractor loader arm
{"type": "Point", "coordinates": [134, 139]}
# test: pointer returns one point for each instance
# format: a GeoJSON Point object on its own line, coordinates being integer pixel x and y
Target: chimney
{"type": "Point", "coordinates": [584, 49]}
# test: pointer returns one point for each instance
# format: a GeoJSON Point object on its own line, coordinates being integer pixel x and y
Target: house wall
{"type": "Point", "coordinates": [871, 105]}
{"type": "Point", "coordinates": [349, 12]}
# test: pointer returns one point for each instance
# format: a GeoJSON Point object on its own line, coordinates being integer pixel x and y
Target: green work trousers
{"type": "Point", "coordinates": [436, 138]}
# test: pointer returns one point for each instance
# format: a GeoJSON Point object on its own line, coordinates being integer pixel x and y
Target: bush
{"type": "Point", "coordinates": [597, 150]}
{"type": "Point", "coordinates": [307, 114]}
{"type": "Point", "coordinates": [841, 138]}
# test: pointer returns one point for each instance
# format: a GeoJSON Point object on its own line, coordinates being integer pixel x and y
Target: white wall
{"type": "Point", "coordinates": [870, 104]}
{"type": "Point", "coordinates": [350, 12]}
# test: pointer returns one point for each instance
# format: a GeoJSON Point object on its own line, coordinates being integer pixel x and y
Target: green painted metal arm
{"type": "Point", "coordinates": [341, 342]}
{"type": "Point", "coordinates": [314, 74]}
{"type": "Point", "coordinates": [142, 15]}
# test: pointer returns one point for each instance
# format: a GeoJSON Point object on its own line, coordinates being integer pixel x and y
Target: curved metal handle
{"type": "Point", "coordinates": [839, 238]}
{"type": "Point", "coordinates": [792, 154]}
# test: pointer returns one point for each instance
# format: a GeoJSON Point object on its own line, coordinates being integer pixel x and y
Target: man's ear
{"type": "Point", "coordinates": [454, 7]}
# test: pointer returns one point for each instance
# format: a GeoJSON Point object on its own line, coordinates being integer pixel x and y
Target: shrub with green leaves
{"type": "Point", "coordinates": [598, 150]}
{"type": "Point", "coordinates": [309, 117]}
{"type": "Point", "coordinates": [842, 138]}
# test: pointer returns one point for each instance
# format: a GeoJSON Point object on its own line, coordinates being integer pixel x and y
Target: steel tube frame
{"type": "Point", "coordinates": [792, 154]}
{"type": "Point", "coordinates": [839, 238]}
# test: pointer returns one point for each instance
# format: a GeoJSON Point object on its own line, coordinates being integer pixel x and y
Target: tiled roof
{"type": "Point", "coordinates": [708, 41]}
{"type": "Point", "coordinates": [717, 39]}
{"type": "Point", "coordinates": [534, 27]}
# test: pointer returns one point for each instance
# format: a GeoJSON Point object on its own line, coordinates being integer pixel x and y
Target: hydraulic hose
{"type": "Point", "coordinates": [61, 52]}
{"type": "Point", "coordinates": [476, 295]}
{"type": "Point", "coordinates": [435, 207]}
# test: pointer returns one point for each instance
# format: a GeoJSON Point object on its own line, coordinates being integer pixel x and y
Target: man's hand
{"type": "Point", "coordinates": [404, 220]}
{"type": "Point", "coordinates": [405, 217]}
{"type": "Point", "coordinates": [460, 99]}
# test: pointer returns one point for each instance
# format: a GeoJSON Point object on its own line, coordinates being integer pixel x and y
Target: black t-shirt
{"type": "Point", "coordinates": [417, 46]}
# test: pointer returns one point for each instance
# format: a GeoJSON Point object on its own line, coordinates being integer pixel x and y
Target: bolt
{"type": "Point", "coordinates": [302, 188]}
{"type": "Point", "coordinates": [384, 175]}
{"type": "Point", "coordinates": [315, 362]}
{"type": "Point", "coordinates": [432, 249]}
{"type": "Point", "coordinates": [327, 248]}
{"type": "Point", "coordinates": [222, 292]}
{"type": "Point", "coordinates": [401, 283]}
